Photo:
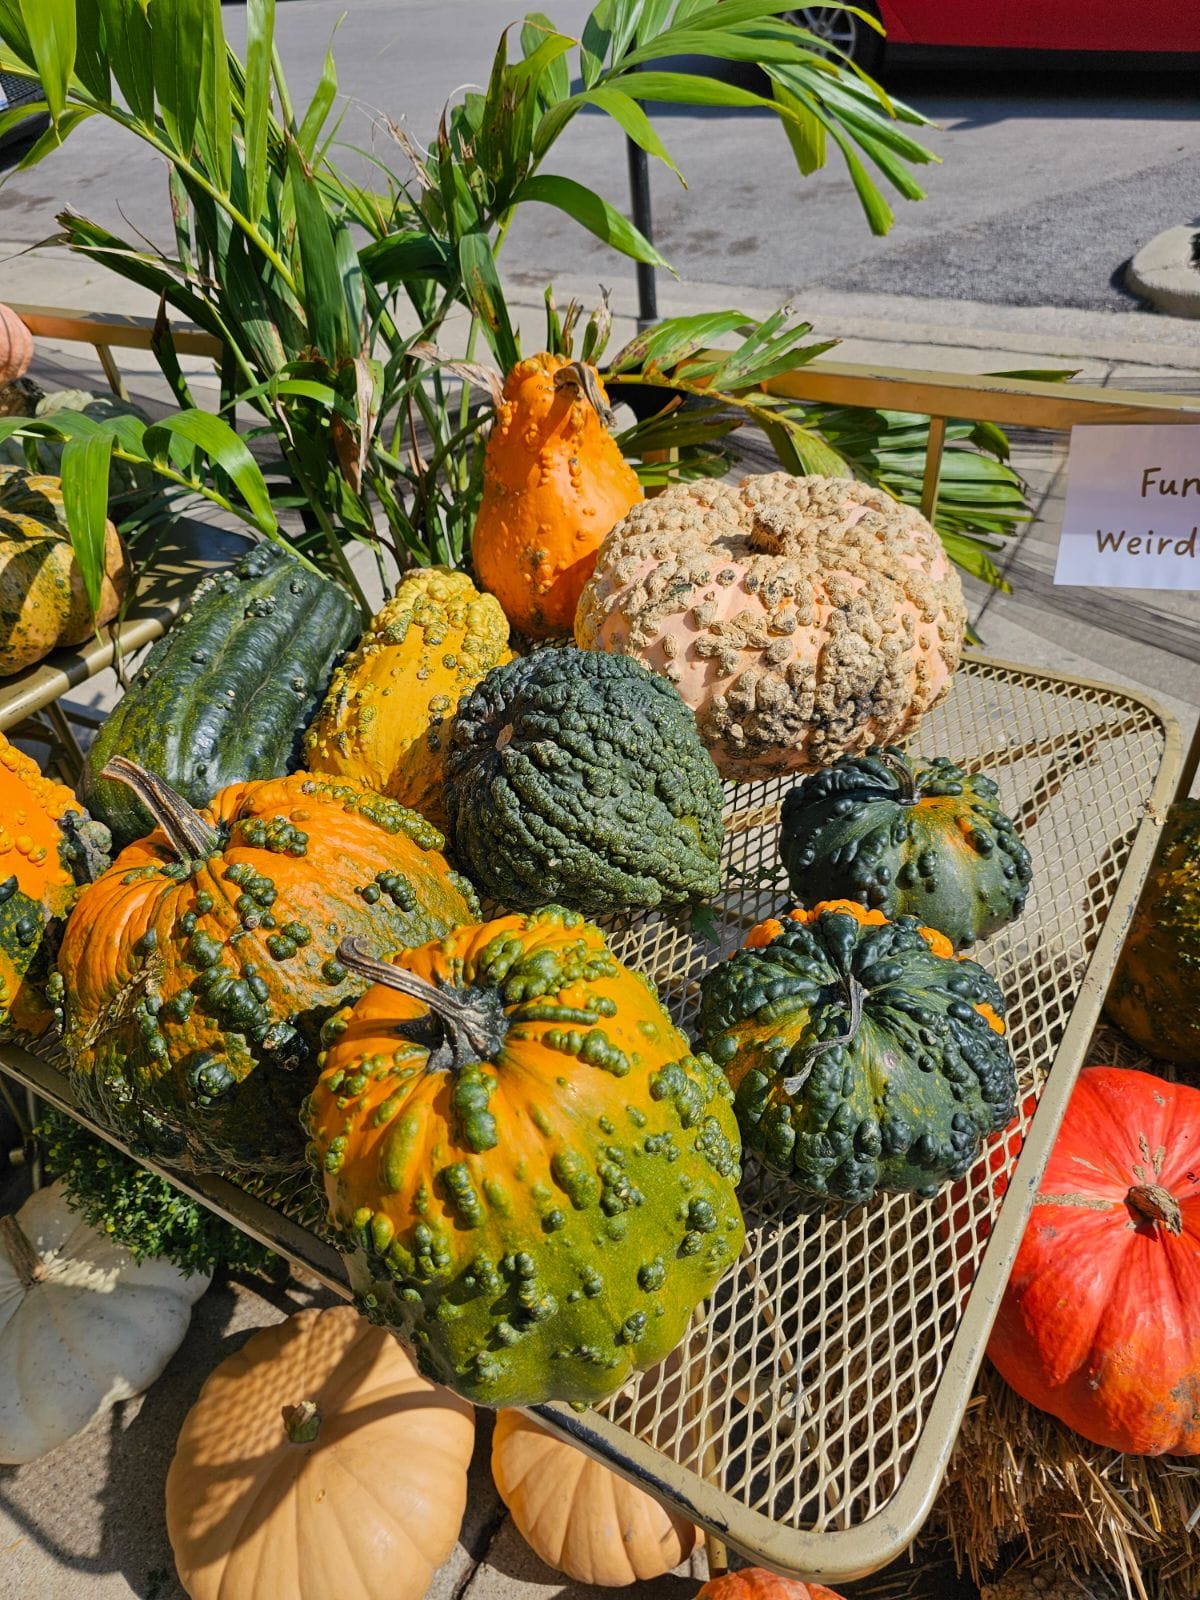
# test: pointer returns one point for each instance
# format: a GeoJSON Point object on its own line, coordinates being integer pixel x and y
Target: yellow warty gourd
{"type": "Point", "coordinates": [387, 713]}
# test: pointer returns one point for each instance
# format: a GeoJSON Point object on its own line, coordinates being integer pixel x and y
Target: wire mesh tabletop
{"type": "Point", "coordinates": [808, 1416]}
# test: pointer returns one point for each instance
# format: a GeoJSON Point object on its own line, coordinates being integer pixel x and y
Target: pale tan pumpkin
{"type": "Point", "coordinates": [317, 1464]}
{"type": "Point", "coordinates": [577, 1516]}
{"type": "Point", "coordinates": [554, 483]}
{"type": "Point", "coordinates": [16, 346]}
{"type": "Point", "coordinates": [386, 717]}
{"type": "Point", "coordinates": [800, 618]}
{"type": "Point", "coordinates": [43, 603]}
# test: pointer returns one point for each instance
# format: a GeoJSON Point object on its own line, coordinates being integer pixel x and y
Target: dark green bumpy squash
{"type": "Point", "coordinates": [860, 1059]}
{"type": "Point", "coordinates": [227, 694]}
{"type": "Point", "coordinates": [578, 778]}
{"type": "Point", "coordinates": [911, 838]}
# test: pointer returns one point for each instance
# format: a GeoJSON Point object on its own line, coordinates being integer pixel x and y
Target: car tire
{"type": "Point", "coordinates": [843, 31]}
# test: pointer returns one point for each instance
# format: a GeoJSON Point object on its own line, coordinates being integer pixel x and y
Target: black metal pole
{"type": "Point", "coordinates": [639, 191]}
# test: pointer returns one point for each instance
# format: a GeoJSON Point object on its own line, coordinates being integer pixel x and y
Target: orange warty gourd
{"type": "Point", "coordinates": [1100, 1323]}
{"type": "Point", "coordinates": [317, 1464]}
{"type": "Point", "coordinates": [16, 346]}
{"type": "Point", "coordinates": [47, 849]}
{"type": "Point", "coordinates": [385, 721]}
{"type": "Point", "coordinates": [554, 484]}
{"type": "Point", "coordinates": [530, 1175]}
{"type": "Point", "coordinates": [199, 969]}
{"type": "Point", "coordinates": [579, 1517]}
{"type": "Point", "coordinates": [800, 618]}
{"type": "Point", "coordinates": [43, 602]}
{"type": "Point", "coordinates": [756, 1583]}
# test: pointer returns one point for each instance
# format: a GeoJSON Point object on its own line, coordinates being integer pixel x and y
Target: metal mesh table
{"type": "Point", "coordinates": [808, 1416]}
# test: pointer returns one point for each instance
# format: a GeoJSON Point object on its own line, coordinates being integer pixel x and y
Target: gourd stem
{"type": "Point", "coordinates": [857, 994]}
{"type": "Point", "coordinates": [579, 376]}
{"type": "Point", "coordinates": [302, 1423]}
{"type": "Point", "coordinates": [472, 1031]}
{"type": "Point", "coordinates": [25, 1260]}
{"type": "Point", "coordinates": [191, 837]}
{"type": "Point", "coordinates": [902, 772]}
{"type": "Point", "coordinates": [1156, 1204]}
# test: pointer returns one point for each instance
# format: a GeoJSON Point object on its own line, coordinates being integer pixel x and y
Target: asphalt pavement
{"type": "Point", "coordinates": [1053, 171]}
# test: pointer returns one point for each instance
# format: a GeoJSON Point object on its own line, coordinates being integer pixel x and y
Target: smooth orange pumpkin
{"type": "Point", "coordinates": [317, 1463]}
{"type": "Point", "coordinates": [1100, 1323]}
{"type": "Point", "coordinates": [579, 1517]}
{"type": "Point", "coordinates": [756, 1583]}
{"type": "Point", "coordinates": [43, 602]}
{"type": "Point", "coordinates": [47, 848]}
{"type": "Point", "coordinates": [554, 484]}
{"type": "Point", "coordinates": [16, 346]}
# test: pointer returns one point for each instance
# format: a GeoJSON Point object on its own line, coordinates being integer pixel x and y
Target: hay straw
{"type": "Point", "coordinates": [1018, 1476]}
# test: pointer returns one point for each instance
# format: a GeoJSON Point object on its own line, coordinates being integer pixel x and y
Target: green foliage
{"type": "Point", "coordinates": [267, 256]}
{"type": "Point", "coordinates": [137, 1208]}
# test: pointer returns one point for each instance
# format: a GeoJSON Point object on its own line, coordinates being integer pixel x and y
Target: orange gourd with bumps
{"type": "Point", "coordinates": [555, 483]}
{"type": "Point", "coordinates": [47, 848]}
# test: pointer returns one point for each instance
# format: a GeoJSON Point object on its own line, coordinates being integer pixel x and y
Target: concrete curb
{"type": "Point", "coordinates": [1166, 271]}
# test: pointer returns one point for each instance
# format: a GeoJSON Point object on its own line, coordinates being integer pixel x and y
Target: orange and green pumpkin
{"type": "Point", "coordinates": [862, 1053]}
{"type": "Point", "coordinates": [554, 484]}
{"type": "Point", "coordinates": [43, 602]}
{"type": "Point", "coordinates": [1155, 992]}
{"type": "Point", "coordinates": [531, 1174]}
{"type": "Point", "coordinates": [48, 847]}
{"type": "Point", "coordinates": [386, 719]}
{"type": "Point", "coordinates": [197, 972]}
{"type": "Point", "coordinates": [912, 838]}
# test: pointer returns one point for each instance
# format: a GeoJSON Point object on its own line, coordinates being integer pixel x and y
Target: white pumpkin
{"type": "Point", "coordinates": [82, 1325]}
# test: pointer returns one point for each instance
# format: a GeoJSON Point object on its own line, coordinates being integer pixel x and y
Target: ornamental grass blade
{"type": "Point", "coordinates": [555, 81]}
{"type": "Point", "coordinates": [632, 121]}
{"type": "Point", "coordinates": [91, 57]}
{"type": "Point", "coordinates": [50, 29]}
{"type": "Point", "coordinates": [215, 123]}
{"type": "Point", "coordinates": [260, 37]}
{"type": "Point", "coordinates": [327, 282]}
{"type": "Point", "coordinates": [130, 50]}
{"type": "Point", "coordinates": [592, 212]}
{"type": "Point", "coordinates": [225, 449]}
{"type": "Point", "coordinates": [482, 284]}
{"type": "Point", "coordinates": [177, 42]}
{"type": "Point", "coordinates": [85, 468]}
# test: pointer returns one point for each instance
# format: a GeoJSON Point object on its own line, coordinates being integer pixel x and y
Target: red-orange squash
{"type": "Point", "coordinates": [554, 483]}
{"type": "Point", "coordinates": [756, 1583]}
{"type": "Point", "coordinates": [318, 1465]}
{"type": "Point", "coordinates": [1100, 1324]}
{"type": "Point", "coordinates": [16, 346]}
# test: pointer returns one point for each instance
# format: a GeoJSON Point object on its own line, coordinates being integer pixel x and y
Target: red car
{"type": "Point", "coordinates": [1118, 25]}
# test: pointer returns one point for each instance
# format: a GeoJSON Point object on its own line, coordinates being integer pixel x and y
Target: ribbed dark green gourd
{"type": "Point", "coordinates": [578, 778]}
{"type": "Point", "coordinates": [910, 838]}
{"type": "Point", "coordinates": [227, 693]}
{"type": "Point", "coordinates": [859, 1059]}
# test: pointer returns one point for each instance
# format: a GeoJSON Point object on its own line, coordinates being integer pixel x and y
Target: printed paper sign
{"type": "Point", "coordinates": [1132, 519]}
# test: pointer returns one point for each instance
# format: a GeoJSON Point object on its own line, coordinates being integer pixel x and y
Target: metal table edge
{"type": "Point", "coordinates": [842, 1554]}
